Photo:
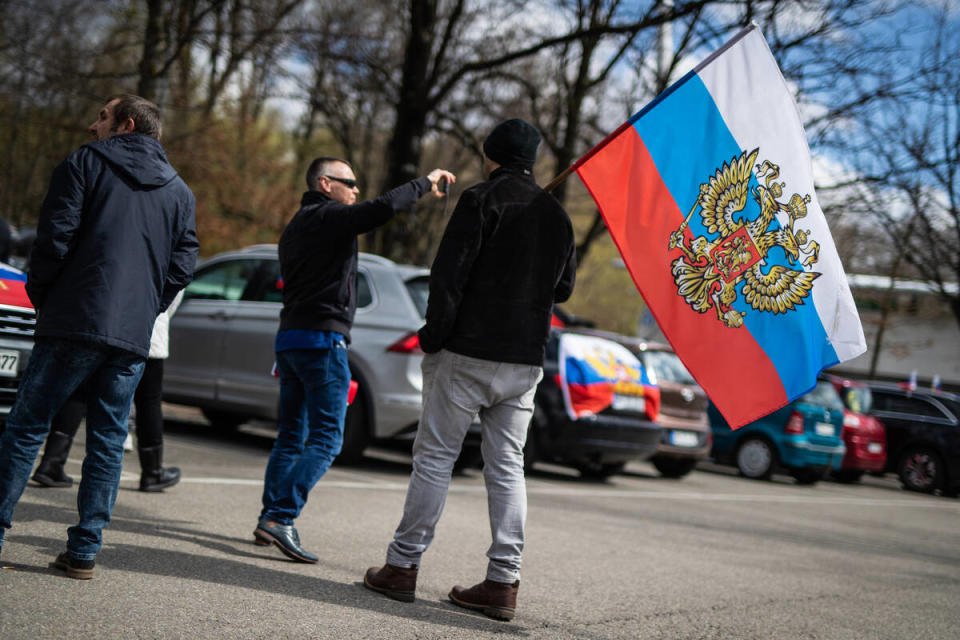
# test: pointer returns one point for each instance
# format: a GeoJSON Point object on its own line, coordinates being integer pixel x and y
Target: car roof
{"type": "Point", "coordinates": [270, 251]}
{"type": "Point", "coordinates": [919, 391]}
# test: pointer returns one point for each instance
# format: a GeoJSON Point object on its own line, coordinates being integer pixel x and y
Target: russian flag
{"type": "Point", "coordinates": [13, 290]}
{"type": "Point", "coordinates": [708, 194]}
{"type": "Point", "coordinates": [596, 373]}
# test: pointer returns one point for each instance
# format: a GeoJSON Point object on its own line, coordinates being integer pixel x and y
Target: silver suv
{"type": "Point", "coordinates": [222, 338]}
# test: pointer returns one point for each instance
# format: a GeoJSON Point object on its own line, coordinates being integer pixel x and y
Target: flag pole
{"type": "Point", "coordinates": [553, 184]}
{"type": "Point", "coordinates": [563, 175]}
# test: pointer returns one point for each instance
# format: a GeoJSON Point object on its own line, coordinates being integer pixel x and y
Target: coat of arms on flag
{"type": "Point", "coordinates": [708, 194]}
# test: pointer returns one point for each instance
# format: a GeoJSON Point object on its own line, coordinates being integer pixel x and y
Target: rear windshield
{"type": "Point", "coordinates": [858, 399]}
{"type": "Point", "coordinates": [823, 395]}
{"type": "Point", "coordinates": [668, 367]}
{"type": "Point", "coordinates": [419, 289]}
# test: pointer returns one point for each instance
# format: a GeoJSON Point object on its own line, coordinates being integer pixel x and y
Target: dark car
{"type": "Point", "coordinates": [863, 435]}
{"type": "Point", "coordinates": [686, 435]}
{"type": "Point", "coordinates": [923, 436]}
{"type": "Point", "coordinates": [598, 445]}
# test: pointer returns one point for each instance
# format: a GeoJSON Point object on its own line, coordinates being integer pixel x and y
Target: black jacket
{"type": "Point", "coordinates": [116, 241]}
{"type": "Point", "coordinates": [318, 256]}
{"type": "Point", "coordinates": [506, 257]}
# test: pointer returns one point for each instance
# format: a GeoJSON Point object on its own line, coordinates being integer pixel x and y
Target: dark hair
{"type": "Point", "coordinates": [145, 114]}
{"type": "Point", "coordinates": [319, 166]}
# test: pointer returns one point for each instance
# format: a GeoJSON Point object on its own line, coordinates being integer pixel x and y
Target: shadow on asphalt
{"type": "Point", "coordinates": [236, 572]}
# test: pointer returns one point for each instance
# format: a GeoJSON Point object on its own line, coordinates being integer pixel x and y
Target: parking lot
{"type": "Point", "coordinates": [710, 556]}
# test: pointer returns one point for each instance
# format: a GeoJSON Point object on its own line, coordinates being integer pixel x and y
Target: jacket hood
{"type": "Point", "coordinates": [138, 157]}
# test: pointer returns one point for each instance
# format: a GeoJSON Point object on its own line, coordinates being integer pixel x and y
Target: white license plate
{"type": "Point", "coordinates": [684, 439]}
{"type": "Point", "coordinates": [874, 447]}
{"type": "Point", "coordinates": [629, 403]}
{"type": "Point", "coordinates": [8, 363]}
{"type": "Point", "coordinates": [825, 429]}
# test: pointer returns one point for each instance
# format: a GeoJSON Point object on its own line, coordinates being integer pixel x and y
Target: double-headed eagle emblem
{"type": "Point", "coordinates": [739, 255]}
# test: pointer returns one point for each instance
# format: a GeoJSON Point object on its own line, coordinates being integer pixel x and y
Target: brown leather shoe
{"type": "Point", "coordinates": [497, 600]}
{"type": "Point", "coordinates": [398, 583]}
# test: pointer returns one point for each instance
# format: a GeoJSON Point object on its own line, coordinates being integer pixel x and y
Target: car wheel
{"type": "Point", "coordinates": [847, 475]}
{"type": "Point", "coordinates": [356, 431]}
{"type": "Point", "coordinates": [590, 471]}
{"type": "Point", "coordinates": [755, 458]}
{"type": "Point", "coordinates": [673, 467]}
{"type": "Point", "coordinates": [808, 475]}
{"type": "Point", "coordinates": [224, 421]}
{"type": "Point", "coordinates": [920, 470]}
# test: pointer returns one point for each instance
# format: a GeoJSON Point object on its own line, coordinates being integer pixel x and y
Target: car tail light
{"type": "Point", "coordinates": [851, 420]}
{"type": "Point", "coordinates": [795, 423]}
{"type": "Point", "coordinates": [409, 343]}
{"type": "Point", "coordinates": [652, 395]}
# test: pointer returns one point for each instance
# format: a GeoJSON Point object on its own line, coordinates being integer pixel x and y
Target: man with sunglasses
{"type": "Point", "coordinates": [318, 264]}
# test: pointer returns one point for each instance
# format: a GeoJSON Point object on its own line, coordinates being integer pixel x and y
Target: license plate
{"type": "Point", "coordinates": [8, 363]}
{"type": "Point", "coordinates": [684, 439]}
{"type": "Point", "coordinates": [629, 403]}
{"type": "Point", "coordinates": [874, 447]}
{"type": "Point", "coordinates": [825, 429]}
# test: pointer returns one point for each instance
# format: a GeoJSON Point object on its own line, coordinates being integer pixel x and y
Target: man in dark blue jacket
{"type": "Point", "coordinates": [318, 263]}
{"type": "Point", "coordinates": [116, 241]}
{"type": "Point", "coordinates": [506, 256]}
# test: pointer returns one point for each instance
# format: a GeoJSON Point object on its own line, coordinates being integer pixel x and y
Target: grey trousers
{"type": "Point", "coordinates": [455, 389]}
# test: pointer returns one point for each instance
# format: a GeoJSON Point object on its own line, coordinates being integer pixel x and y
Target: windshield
{"type": "Point", "coordinates": [419, 289]}
{"type": "Point", "coordinates": [667, 366]}
{"type": "Point", "coordinates": [823, 395]}
{"type": "Point", "coordinates": [858, 399]}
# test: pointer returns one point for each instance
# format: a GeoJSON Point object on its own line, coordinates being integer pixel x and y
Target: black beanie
{"type": "Point", "coordinates": [513, 142]}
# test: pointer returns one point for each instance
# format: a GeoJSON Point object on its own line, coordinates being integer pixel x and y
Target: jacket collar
{"type": "Point", "coordinates": [520, 171]}
{"type": "Point", "coordinates": [314, 197]}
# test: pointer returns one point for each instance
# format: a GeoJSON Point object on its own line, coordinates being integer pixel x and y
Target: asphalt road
{"type": "Point", "coordinates": [709, 556]}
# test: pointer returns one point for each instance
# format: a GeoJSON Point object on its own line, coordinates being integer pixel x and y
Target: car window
{"type": "Point", "coordinates": [364, 293]}
{"type": "Point", "coordinates": [419, 289]}
{"type": "Point", "coordinates": [667, 366]}
{"type": "Point", "coordinates": [911, 405]}
{"type": "Point", "coordinates": [222, 281]}
{"type": "Point", "coordinates": [823, 395]}
{"type": "Point", "coordinates": [269, 283]}
{"type": "Point", "coordinates": [858, 399]}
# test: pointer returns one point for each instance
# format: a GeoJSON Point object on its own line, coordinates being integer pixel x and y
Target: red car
{"type": "Point", "coordinates": [864, 436]}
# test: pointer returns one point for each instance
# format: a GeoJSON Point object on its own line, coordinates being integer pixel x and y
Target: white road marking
{"type": "Point", "coordinates": [632, 494]}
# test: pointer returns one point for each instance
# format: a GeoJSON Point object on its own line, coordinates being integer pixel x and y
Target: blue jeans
{"type": "Point", "coordinates": [57, 367]}
{"type": "Point", "coordinates": [313, 405]}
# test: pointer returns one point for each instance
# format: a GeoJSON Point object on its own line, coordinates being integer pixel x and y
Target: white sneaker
{"type": "Point", "coordinates": [128, 443]}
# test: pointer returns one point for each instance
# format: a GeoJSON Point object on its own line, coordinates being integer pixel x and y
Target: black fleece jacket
{"type": "Point", "coordinates": [506, 257]}
{"type": "Point", "coordinates": [318, 256]}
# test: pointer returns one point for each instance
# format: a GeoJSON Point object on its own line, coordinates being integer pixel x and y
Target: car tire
{"type": "Point", "coordinates": [673, 467]}
{"type": "Point", "coordinates": [590, 471]}
{"type": "Point", "coordinates": [755, 458]}
{"type": "Point", "coordinates": [921, 470]}
{"type": "Point", "coordinates": [847, 476]}
{"type": "Point", "coordinates": [808, 475]}
{"type": "Point", "coordinates": [224, 421]}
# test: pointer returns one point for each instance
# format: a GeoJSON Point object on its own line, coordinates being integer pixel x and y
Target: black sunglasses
{"type": "Point", "coordinates": [350, 184]}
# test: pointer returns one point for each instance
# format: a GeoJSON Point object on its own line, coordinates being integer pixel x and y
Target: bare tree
{"type": "Point", "coordinates": [905, 149]}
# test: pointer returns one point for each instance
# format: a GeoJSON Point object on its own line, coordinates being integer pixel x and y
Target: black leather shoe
{"type": "Point", "coordinates": [286, 538]}
{"type": "Point", "coordinates": [76, 569]}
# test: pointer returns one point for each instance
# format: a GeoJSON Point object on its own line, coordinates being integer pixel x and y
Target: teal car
{"type": "Point", "coordinates": [804, 438]}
